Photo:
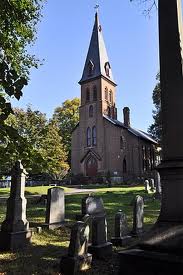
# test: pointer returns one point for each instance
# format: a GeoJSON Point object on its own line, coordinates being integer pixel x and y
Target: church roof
{"type": "Point", "coordinates": [97, 61]}
{"type": "Point", "coordinates": [133, 131]}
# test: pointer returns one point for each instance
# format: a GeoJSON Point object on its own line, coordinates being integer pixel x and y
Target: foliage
{"type": "Point", "coordinates": [66, 118]}
{"type": "Point", "coordinates": [156, 128]}
{"type": "Point", "coordinates": [18, 20]}
{"type": "Point", "coordinates": [39, 147]}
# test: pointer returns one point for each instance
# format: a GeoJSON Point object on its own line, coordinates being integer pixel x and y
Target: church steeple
{"type": "Point", "coordinates": [97, 61]}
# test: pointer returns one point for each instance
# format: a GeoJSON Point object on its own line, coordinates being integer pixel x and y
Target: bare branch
{"type": "Point", "coordinates": [150, 5]}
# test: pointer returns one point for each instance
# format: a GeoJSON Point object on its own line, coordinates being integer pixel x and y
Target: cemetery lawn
{"type": "Point", "coordinates": [44, 253]}
{"type": "Point", "coordinates": [36, 190]}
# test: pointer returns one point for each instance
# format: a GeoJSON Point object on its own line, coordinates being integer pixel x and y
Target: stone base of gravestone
{"type": "Point", "coordinates": [141, 262]}
{"type": "Point", "coordinates": [101, 251]}
{"type": "Point", "coordinates": [52, 226]}
{"type": "Point", "coordinates": [14, 240]}
{"type": "Point", "coordinates": [72, 265]}
{"type": "Point", "coordinates": [121, 241]}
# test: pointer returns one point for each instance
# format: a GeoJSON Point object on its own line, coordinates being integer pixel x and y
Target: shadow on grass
{"type": "Point", "coordinates": [42, 256]}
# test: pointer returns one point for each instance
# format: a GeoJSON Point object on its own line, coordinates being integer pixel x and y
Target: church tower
{"type": "Point", "coordinates": [102, 145]}
{"type": "Point", "coordinates": [97, 83]}
{"type": "Point", "coordinates": [97, 99]}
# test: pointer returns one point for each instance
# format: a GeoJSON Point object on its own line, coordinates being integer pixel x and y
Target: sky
{"type": "Point", "coordinates": [63, 38]}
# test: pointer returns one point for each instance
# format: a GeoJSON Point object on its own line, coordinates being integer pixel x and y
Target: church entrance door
{"type": "Point", "coordinates": [91, 167]}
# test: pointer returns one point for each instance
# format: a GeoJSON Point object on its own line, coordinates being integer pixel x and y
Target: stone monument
{"type": "Point", "coordinates": [161, 249]}
{"type": "Point", "coordinates": [15, 233]}
{"type": "Point", "coordinates": [100, 247]}
{"type": "Point", "coordinates": [138, 216]}
{"type": "Point", "coordinates": [55, 208]}
{"type": "Point", "coordinates": [147, 186]}
{"type": "Point", "coordinates": [78, 258]}
{"type": "Point", "coordinates": [121, 230]}
{"type": "Point", "coordinates": [91, 205]}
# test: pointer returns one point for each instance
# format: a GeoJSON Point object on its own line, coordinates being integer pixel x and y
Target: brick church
{"type": "Point", "coordinates": [101, 144]}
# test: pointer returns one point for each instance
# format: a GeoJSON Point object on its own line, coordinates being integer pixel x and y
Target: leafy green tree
{"type": "Point", "coordinates": [156, 128]}
{"type": "Point", "coordinates": [53, 153]}
{"type": "Point", "coordinates": [39, 147]}
{"type": "Point", "coordinates": [66, 118]}
{"type": "Point", "coordinates": [18, 20]}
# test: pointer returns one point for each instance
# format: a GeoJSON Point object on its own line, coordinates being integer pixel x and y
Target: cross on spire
{"type": "Point", "coordinates": [96, 8]}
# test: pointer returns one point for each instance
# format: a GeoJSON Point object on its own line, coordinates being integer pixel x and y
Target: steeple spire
{"type": "Point", "coordinates": [97, 61]}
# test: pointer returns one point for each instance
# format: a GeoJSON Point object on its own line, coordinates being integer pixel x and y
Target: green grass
{"type": "Point", "coordinates": [35, 190]}
{"type": "Point", "coordinates": [43, 255]}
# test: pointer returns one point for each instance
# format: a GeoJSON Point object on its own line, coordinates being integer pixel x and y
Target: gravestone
{"type": "Point", "coordinates": [138, 216]}
{"type": "Point", "coordinates": [121, 230]}
{"type": "Point", "coordinates": [161, 249]}
{"type": "Point", "coordinates": [158, 186]}
{"type": "Point", "coordinates": [91, 205]}
{"type": "Point", "coordinates": [78, 258]}
{"type": "Point", "coordinates": [55, 208]}
{"type": "Point", "coordinates": [15, 233]}
{"type": "Point", "coordinates": [147, 186]}
{"type": "Point", "coordinates": [100, 247]}
{"type": "Point", "coordinates": [152, 185]}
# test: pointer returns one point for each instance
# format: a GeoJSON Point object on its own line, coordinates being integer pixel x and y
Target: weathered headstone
{"type": "Point", "coordinates": [91, 205]}
{"type": "Point", "coordinates": [138, 216]}
{"type": "Point", "coordinates": [158, 186]}
{"type": "Point", "coordinates": [121, 230]}
{"type": "Point", "coordinates": [55, 208]}
{"type": "Point", "coordinates": [78, 258]}
{"type": "Point", "coordinates": [100, 247]}
{"type": "Point", "coordinates": [152, 185]}
{"type": "Point", "coordinates": [15, 233]}
{"type": "Point", "coordinates": [147, 186]}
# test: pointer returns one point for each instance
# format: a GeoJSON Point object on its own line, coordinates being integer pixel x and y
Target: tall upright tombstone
{"type": "Point", "coordinates": [15, 233]}
{"type": "Point", "coordinates": [160, 249]}
{"type": "Point", "coordinates": [78, 258]}
{"type": "Point", "coordinates": [100, 248]}
{"type": "Point", "coordinates": [55, 208]}
{"type": "Point", "coordinates": [138, 216]}
{"type": "Point", "coordinates": [121, 230]}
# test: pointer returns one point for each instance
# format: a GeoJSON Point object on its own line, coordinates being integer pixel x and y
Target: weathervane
{"type": "Point", "coordinates": [97, 8]}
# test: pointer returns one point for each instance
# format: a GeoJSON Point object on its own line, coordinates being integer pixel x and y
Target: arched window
{"type": "Point", "coordinates": [94, 93]}
{"type": "Point", "coordinates": [143, 159]}
{"type": "Point", "coordinates": [94, 136]}
{"type": "Point", "coordinates": [124, 166]}
{"type": "Point", "coordinates": [88, 136]}
{"type": "Point", "coordinates": [110, 96]}
{"type": "Point", "coordinates": [121, 142]}
{"type": "Point", "coordinates": [87, 94]}
{"type": "Point", "coordinates": [106, 93]}
{"type": "Point", "coordinates": [109, 111]}
{"type": "Point", "coordinates": [107, 69]}
{"type": "Point", "coordinates": [91, 111]}
{"type": "Point", "coordinates": [90, 68]}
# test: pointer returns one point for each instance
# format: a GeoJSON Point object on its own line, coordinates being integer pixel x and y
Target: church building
{"type": "Point", "coordinates": [101, 144]}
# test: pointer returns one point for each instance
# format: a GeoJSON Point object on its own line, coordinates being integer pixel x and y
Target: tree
{"type": "Point", "coordinates": [66, 118]}
{"type": "Point", "coordinates": [53, 153]}
{"type": "Point", "coordinates": [39, 147]}
{"type": "Point", "coordinates": [18, 20]}
{"type": "Point", "coordinates": [156, 128]}
{"type": "Point", "coordinates": [149, 5]}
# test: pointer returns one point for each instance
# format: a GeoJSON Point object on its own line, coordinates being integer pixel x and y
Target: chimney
{"type": "Point", "coordinates": [126, 115]}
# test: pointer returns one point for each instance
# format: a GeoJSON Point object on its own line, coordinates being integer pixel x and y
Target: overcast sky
{"type": "Point", "coordinates": [63, 38]}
